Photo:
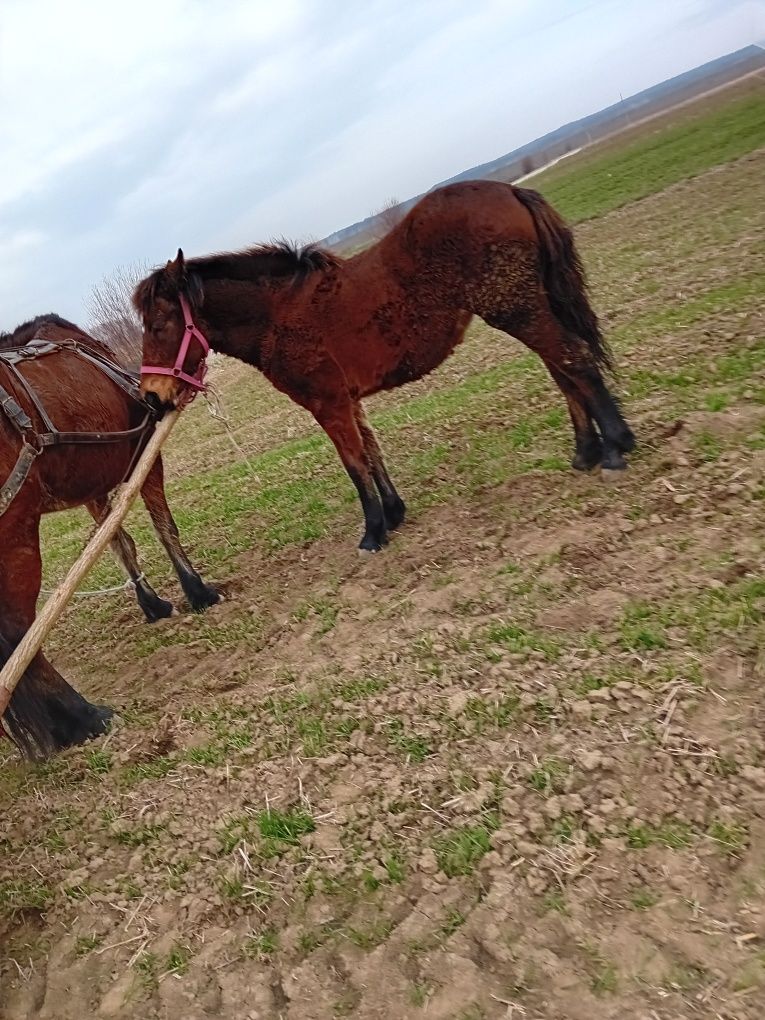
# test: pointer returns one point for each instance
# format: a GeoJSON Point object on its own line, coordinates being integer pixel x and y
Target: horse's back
{"type": "Point", "coordinates": [481, 211]}
{"type": "Point", "coordinates": [77, 397]}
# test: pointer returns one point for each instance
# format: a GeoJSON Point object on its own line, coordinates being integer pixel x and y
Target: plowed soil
{"type": "Point", "coordinates": [514, 766]}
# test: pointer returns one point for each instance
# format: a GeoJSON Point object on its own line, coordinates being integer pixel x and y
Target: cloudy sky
{"type": "Point", "coordinates": [129, 129]}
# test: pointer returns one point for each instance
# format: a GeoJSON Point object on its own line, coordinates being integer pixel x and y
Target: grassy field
{"type": "Point", "coordinates": [287, 496]}
{"type": "Point", "coordinates": [670, 148]}
{"type": "Point", "coordinates": [513, 766]}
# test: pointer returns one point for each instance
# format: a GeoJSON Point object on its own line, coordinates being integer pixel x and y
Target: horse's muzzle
{"type": "Point", "coordinates": [160, 391]}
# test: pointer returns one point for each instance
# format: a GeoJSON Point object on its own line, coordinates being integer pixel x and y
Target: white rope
{"type": "Point", "coordinates": [129, 585]}
{"type": "Point", "coordinates": [215, 407]}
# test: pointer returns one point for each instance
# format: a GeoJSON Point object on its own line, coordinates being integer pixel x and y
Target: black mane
{"type": "Point", "coordinates": [279, 259]}
{"type": "Point", "coordinates": [25, 332]}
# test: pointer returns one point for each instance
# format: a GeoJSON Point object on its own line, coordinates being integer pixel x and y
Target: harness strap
{"type": "Point", "coordinates": [54, 438]}
{"type": "Point", "coordinates": [10, 489]}
{"type": "Point", "coordinates": [125, 380]}
{"type": "Point", "coordinates": [14, 411]}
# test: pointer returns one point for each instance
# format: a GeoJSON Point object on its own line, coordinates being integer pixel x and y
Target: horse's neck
{"type": "Point", "coordinates": [240, 316]}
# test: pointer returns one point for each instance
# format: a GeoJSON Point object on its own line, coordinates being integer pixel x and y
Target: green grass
{"type": "Point", "coordinates": [141, 835]}
{"type": "Point", "coordinates": [700, 619]}
{"type": "Point", "coordinates": [486, 713]}
{"type": "Point", "coordinates": [285, 826]}
{"type": "Point", "coordinates": [146, 966]}
{"type": "Point", "coordinates": [85, 944]}
{"type": "Point", "coordinates": [643, 899]}
{"type": "Point", "coordinates": [20, 895]}
{"type": "Point", "coordinates": [369, 936]}
{"type": "Point", "coordinates": [612, 174]}
{"type": "Point", "coordinates": [549, 775]}
{"type": "Point", "coordinates": [460, 852]}
{"type": "Point", "coordinates": [555, 901]}
{"type": "Point", "coordinates": [520, 641]}
{"type": "Point", "coordinates": [452, 922]}
{"type": "Point", "coordinates": [178, 960]}
{"type": "Point", "coordinates": [672, 833]}
{"type": "Point", "coordinates": [605, 981]}
{"type": "Point", "coordinates": [411, 746]}
{"type": "Point", "coordinates": [99, 761]}
{"type": "Point", "coordinates": [730, 837]}
{"type": "Point", "coordinates": [394, 869]}
{"type": "Point", "coordinates": [261, 945]}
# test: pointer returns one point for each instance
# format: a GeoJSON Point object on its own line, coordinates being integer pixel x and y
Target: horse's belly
{"type": "Point", "coordinates": [422, 347]}
{"type": "Point", "coordinates": [74, 475]}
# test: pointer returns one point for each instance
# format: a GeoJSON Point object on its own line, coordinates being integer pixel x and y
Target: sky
{"type": "Point", "coordinates": [128, 130]}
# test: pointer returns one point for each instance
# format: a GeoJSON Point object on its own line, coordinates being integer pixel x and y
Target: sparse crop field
{"type": "Point", "coordinates": [512, 767]}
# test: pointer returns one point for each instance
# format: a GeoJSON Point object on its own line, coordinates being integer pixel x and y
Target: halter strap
{"type": "Point", "coordinates": [190, 332]}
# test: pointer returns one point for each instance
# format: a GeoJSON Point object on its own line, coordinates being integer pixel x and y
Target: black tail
{"type": "Point", "coordinates": [563, 275]}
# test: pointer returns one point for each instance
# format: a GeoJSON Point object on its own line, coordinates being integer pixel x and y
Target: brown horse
{"type": "Point", "coordinates": [51, 368]}
{"type": "Point", "coordinates": [331, 331]}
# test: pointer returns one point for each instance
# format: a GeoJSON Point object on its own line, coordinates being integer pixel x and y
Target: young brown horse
{"type": "Point", "coordinates": [78, 396]}
{"type": "Point", "coordinates": [330, 331]}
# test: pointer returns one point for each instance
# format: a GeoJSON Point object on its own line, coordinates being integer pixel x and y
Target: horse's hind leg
{"type": "Point", "coordinates": [588, 447]}
{"type": "Point", "coordinates": [200, 595]}
{"type": "Point", "coordinates": [45, 714]}
{"type": "Point", "coordinates": [338, 419]}
{"type": "Point", "coordinates": [123, 548]}
{"type": "Point", "coordinates": [393, 505]}
{"type": "Point", "coordinates": [573, 367]}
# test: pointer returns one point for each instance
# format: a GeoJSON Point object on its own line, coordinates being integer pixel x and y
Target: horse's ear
{"type": "Point", "coordinates": [176, 270]}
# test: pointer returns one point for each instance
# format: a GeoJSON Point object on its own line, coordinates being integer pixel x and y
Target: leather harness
{"type": "Point", "coordinates": [33, 442]}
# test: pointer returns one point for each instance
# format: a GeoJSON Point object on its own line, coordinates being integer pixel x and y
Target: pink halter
{"type": "Point", "coordinates": [196, 381]}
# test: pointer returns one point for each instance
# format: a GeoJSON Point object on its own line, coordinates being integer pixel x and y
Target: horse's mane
{"type": "Point", "coordinates": [120, 347]}
{"type": "Point", "coordinates": [278, 260]}
{"type": "Point", "coordinates": [26, 331]}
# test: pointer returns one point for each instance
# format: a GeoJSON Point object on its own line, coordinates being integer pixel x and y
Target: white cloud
{"type": "Point", "coordinates": [79, 77]}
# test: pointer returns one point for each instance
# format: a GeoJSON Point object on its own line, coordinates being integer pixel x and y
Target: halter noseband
{"type": "Point", "coordinates": [196, 381]}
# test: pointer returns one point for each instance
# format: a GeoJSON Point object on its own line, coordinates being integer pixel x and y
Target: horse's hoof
{"type": "Point", "coordinates": [582, 466]}
{"type": "Point", "coordinates": [99, 722]}
{"type": "Point", "coordinates": [155, 609]}
{"type": "Point", "coordinates": [104, 714]}
{"type": "Point", "coordinates": [372, 543]}
{"type": "Point", "coordinates": [205, 599]}
{"type": "Point", "coordinates": [586, 460]}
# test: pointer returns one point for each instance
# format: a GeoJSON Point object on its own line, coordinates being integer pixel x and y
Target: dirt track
{"type": "Point", "coordinates": [512, 767]}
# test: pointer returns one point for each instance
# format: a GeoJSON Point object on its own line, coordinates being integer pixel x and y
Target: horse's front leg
{"type": "Point", "coordinates": [200, 595]}
{"type": "Point", "coordinates": [124, 550]}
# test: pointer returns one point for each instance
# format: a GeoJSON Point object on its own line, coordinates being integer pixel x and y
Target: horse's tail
{"type": "Point", "coordinates": [563, 275]}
